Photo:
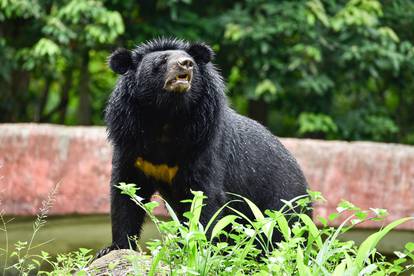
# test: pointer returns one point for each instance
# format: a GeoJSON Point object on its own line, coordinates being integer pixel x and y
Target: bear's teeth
{"type": "Point", "coordinates": [182, 77]}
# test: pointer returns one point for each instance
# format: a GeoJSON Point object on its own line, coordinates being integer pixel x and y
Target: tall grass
{"type": "Point", "coordinates": [4, 251]}
{"type": "Point", "coordinates": [233, 244]}
{"type": "Point", "coordinates": [236, 248]}
{"type": "Point", "coordinates": [24, 260]}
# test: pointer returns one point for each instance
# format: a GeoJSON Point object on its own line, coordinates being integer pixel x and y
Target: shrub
{"type": "Point", "coordinates": [237, 248]}
{"type": "Point", "coordinates": [306, 250]}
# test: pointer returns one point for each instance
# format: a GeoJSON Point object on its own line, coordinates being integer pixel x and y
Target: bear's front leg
{"type": "Point", "coordinates": [127, 217]}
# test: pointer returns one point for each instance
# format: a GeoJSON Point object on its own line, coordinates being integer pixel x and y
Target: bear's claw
{"type": "Point", "coordinates": [105, 251]}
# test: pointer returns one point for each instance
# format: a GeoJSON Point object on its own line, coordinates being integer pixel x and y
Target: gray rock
{"type": "Point", "coordinates": [123, 262]}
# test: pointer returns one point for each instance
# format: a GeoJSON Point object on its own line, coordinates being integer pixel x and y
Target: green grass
{"type": "Point", "coordinates": [236, 248]}
{"type": "Point", "coordinates": [307, 249]}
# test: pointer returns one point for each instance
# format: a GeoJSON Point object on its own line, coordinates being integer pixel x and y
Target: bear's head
{"type": "Point", "coordinates": [164, 71]}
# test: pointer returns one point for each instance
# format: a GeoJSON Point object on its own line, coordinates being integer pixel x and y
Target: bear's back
{"type": "Point", "coordinates": [256, 158]}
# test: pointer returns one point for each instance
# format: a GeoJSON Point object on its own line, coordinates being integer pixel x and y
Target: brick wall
{"type": "Point", "coordinates": [33, 158]}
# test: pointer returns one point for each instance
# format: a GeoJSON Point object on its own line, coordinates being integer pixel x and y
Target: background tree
{"type": "Point", "coordinates": [54, 41]}
{"type": "Point", "coordinates": [316, 68]}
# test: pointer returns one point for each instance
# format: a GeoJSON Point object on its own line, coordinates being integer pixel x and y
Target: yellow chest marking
{"type": "Point", "coordinates": [160, 172]}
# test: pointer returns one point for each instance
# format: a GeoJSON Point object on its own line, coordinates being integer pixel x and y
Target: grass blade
{"type": "Point", "coordinates": [313, 230]}
{"type": "Point", "coordinates": [371, 242]}
{"type": "Point", "coordinates": [222, 223]}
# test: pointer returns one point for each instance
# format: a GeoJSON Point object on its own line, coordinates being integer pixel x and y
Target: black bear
{"type": "Point", "coordinates": [173, 131]}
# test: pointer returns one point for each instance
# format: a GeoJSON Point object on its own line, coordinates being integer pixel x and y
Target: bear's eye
{"type": "Point", "coordinates": [162, 60]}
{"type": "Point", "coordinates": [159, 62]}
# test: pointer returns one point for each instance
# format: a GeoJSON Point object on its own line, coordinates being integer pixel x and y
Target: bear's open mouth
{"type": "Point", "coordinates": [180, 82]}
{"type": "Point", "coordinates": [182, 77]}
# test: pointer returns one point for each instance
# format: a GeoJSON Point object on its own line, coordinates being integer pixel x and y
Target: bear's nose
{"type": "Point", "coordinates": [185, 63]}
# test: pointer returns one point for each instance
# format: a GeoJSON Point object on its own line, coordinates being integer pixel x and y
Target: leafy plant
{"type": "Point", "coordinates": [24, 261]}
{"type": "Point", "coordinates": [234, 244]}
{"type": "Point", "coordinates": [310, 123]}
{"type": "Point", "coordinates": [236, 248]}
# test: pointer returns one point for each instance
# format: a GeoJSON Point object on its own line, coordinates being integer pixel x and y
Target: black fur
{"type": "Point", "coordinates": [121, 61]}
{"type": "Point", "coordinates": [217, 150]}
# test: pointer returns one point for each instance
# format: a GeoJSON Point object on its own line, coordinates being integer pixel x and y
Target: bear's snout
{"type": "Point", "coordinates": [185, 63]}
{"type": "Point", "coordinates": [179, 72]}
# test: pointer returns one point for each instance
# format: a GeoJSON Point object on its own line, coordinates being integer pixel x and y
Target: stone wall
{"type": "Point", "coordinates": [34, 158]}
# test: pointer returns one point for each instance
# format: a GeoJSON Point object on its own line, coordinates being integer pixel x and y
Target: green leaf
{"type": "Point", "coordinates": [222, 223]}
{"type": "Point", "coordinates": [361, 215]}
{"type": "Point", "coordinates": [371, 242]}
{"type": "Point", "coordinates": [409, 246]}
{"type": "Point", "coordinates": [282, 223]}
{"type": "Point", "coordinates": [381, 213]}
{"type": "Point", "coordinates": [253, 207]}
{"type": "Point", "coordinates": [333, 216]}
{"type": "Point", "coordinates": [302, 268]}
{"type": "Point", "coordinates": [112, 265]}
{"type": "Point", "coordinates": [195, 210]}
{"type": "Point", "coordinates": [340, 269]}
{"type": "Point", "coordinates": [313, 230]}
{"type": "Point", "coordinates": [323, 221]}
{"type": "Point", "coordinates": [217, 213]}
{"type": "Point", "coordinates": [171, 212]}
{"type": "Point", "coordinates": [368, 269]}
{"type": "Point", "coordinates": [84, 251]}
{"type": "Point", "coordinates": [127, 189]}
{"type": "Point", "coordinates": [311, 123]}
{"type": "Point", "coordinates": [150, 206]}
{"type": "Point", "coordinates": [156, 260]}
{"type": "Point", "coordinates": [265, 87]}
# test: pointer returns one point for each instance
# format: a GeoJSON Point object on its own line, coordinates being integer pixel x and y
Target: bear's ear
{"type": "Point", "coordinates": [201, 52]}
{"type": "Point", "coordinates": [120, 61]}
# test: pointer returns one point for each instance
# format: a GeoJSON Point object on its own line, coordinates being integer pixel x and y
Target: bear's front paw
{"type": "Point", "coordinates": [105, 251]}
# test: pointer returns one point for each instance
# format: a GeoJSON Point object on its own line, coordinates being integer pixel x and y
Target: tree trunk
{"type": "Point", "coordinates": [19, 93]}
{"type": "Point", "coordinates": [84, 110]}
{"type": "Point", "coordinates": [64, 100]}
{"type": "Point", "coordinates": [258, 110]}
{"type": "Point", "coordinates": [43, 100]}
{"type": "Point", "coordinates": [62, 107]}
{"type": "Point", "coordinates": [6, 107]}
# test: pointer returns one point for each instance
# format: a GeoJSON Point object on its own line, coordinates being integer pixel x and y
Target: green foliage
{"type": "Point", "coordinates": [238, 245]}
{"type": "Point", "coordinates": [310, 123]}
{"type": "Point", "coordinates": [307, 250]}
{"type": "Point", "coordinates": [337, 58]}
{"type": "Point", "coordinates": [348, 63]}
{"type": "Point", "coordinates": [54, 44]}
